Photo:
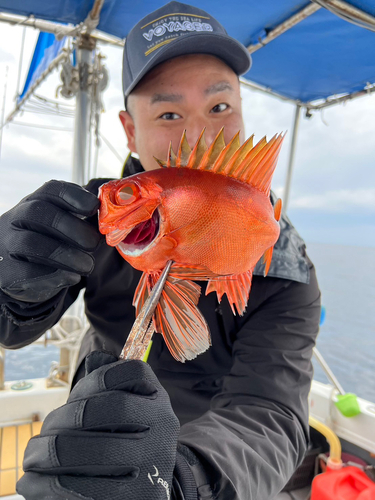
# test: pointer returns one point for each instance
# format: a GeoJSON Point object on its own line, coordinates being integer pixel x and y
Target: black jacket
{"type": "Point", "coordinates": [243, 403]}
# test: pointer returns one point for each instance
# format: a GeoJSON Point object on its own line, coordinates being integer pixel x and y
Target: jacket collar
{"type": "Point", "coordinates": [131, 166]}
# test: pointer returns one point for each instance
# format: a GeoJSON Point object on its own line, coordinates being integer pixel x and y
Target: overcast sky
{"type": "Point", "coordinates": [333, 187]}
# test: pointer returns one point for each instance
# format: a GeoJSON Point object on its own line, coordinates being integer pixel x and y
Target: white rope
{"type": "Point", "coordinates": [118, 156]}
{"type": "Point", "coordinates": [48, 127]}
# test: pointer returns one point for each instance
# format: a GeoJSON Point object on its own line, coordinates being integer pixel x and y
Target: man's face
{"type": "Point", "coordinates": [186, 93]}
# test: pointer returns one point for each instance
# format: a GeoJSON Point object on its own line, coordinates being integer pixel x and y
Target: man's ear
{"type": "Point", "coordinates": [129, 127]}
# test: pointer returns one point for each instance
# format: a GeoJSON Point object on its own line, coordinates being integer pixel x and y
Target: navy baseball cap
{"type": "Point", "coordinates": [174, 30]}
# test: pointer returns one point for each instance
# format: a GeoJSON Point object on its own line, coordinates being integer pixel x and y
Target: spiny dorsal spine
{"type": "Point", "coordinates": [253, 165]}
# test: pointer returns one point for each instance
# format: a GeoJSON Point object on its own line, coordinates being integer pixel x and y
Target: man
{"type": "Point", "coordinates": [242, 405]}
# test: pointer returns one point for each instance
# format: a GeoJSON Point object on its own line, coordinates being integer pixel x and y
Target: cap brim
{"type": "Point", "coordinates": [232, 52]}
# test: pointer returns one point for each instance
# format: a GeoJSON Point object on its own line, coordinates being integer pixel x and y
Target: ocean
{"type": "Point", "coordinates": [346, 340]}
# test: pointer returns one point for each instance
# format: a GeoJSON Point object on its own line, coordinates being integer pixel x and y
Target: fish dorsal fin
{"type": "Point", "coordinates": [226, 154]}
{"type": "Point", "coordinates": [184, 151]}
{"type": "Point", "coordinates": [238, 156]}
{"type": "Point", "coordinates": [161, 163]}
{"type": "Point", "coordinates": [213, 152]}
{"type": "Point", "coordinates": [248, 164]}
{"type": "Point", "coordinates": [197, 152]}
{"type": "Point", "coordinates": [171, 160]}
{"type": "Point", "coordinates": [251, 164]}
{"type": "Point", "coordinates": [264, 164]}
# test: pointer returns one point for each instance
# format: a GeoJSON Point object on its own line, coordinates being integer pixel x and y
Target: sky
{"type": "Point", "coordinates": [332, 196]}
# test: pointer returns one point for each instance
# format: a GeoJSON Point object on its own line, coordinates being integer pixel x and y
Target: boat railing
{"type": "Point", "coordinates": [2, 368]}
{"type": "Point", "coordinates": [13, 439]}
{"type": "Point", "coordinates": [67, 335]}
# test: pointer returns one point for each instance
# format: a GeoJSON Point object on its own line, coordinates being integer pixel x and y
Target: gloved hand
{"type": "Point", "coordinates": [115, 438]}
{"type": "Point", "coordinates": [45, 245]}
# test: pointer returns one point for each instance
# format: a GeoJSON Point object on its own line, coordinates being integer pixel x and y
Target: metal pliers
{"type": "Point", "coordinates": [143, 328]}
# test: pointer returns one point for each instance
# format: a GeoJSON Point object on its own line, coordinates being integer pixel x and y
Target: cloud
{"type": "Point", "coordinates": [6, 58]}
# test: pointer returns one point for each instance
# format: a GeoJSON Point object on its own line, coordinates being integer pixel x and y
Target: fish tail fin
{"type": "Point", "coordinates": [176, 316]}
{"type": "Point", "coordinates": [236, 287]}
{"type": "Point", "coordinates": [267, 257]}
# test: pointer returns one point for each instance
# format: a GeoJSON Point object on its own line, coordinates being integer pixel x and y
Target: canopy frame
{"type": "Point", "coordinates": [58, 29]}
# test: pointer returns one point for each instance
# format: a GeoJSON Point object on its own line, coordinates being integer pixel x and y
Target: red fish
{"type": "Point", "coordinates": [208, 211]}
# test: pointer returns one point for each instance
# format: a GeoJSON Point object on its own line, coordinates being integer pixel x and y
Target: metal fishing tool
{"type": "Point", "coordinates": [143, 328]}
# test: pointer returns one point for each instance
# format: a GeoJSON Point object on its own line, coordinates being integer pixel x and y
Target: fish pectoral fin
{"type": "Point", "coordinates": [277, 209]}
{"type": "Point", "coordinates": [185, 272]}
{"type": "Point", "coordinates": [236, 287]}
{"type": "Point", "coordinates": [169, 242]}
{"type": "Point", "coordinates": [178, 319]}
{"type": "Point", "coordinates": [267, 258]}
{"type": "Point", "coordinates": [176, 316]}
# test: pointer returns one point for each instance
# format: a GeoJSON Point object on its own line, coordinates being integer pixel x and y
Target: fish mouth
{"type": "Point", "coordinates": [141, 236]}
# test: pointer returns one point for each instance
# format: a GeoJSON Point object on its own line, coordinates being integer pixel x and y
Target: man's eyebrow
{"type": "Point", "coordinates": [218, 87]}
{"type": "Point", "coordinates": [166, 98]}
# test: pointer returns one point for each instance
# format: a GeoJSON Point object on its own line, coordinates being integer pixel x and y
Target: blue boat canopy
{"type": "Point", "coordinates": [320, 56]}
{"type": "Point", "coordinates": [46, 49]}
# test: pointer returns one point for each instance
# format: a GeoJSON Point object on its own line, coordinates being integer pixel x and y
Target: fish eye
{"type": "Point", "coordinates": [127, 194]}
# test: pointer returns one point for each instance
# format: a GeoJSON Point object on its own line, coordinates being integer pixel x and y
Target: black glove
{"type": "Point", "coordinates": [115, 438]}
{"type": "Point", "coordinates": [43, 246]}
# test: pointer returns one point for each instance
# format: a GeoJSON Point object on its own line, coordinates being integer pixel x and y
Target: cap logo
{"type": "Point", "coordinates": [155, 47]}
{"type": "Point", "coordinates": [170, 27]}
{"type": "Point", "coordinates": [173, 27]}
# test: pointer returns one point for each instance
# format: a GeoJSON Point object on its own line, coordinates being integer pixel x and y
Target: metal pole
{"type": "Point", "coordinates": [81, 123]}
{"type": "Point", "coordinates": [328, 371]}
{"type": "Point", "coordinates": [60, 30]}
{"type": "Point", "coordinates": [291, 158]}
{"type": "Point", "coordinates": [285, 26]}
{"type": "Point", "coordinates": [20, 63]}
{"type": "Point", "coordinates": [348, 12]}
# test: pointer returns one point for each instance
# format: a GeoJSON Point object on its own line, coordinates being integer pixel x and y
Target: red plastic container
{"type": "Point", "coordinates": [348, 483]}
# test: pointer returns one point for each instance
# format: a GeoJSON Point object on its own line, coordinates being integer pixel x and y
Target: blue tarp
{"type": "Point", "coordinates": [321, 56]}
{"type": "Point", "coordinates": [46, 50]}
